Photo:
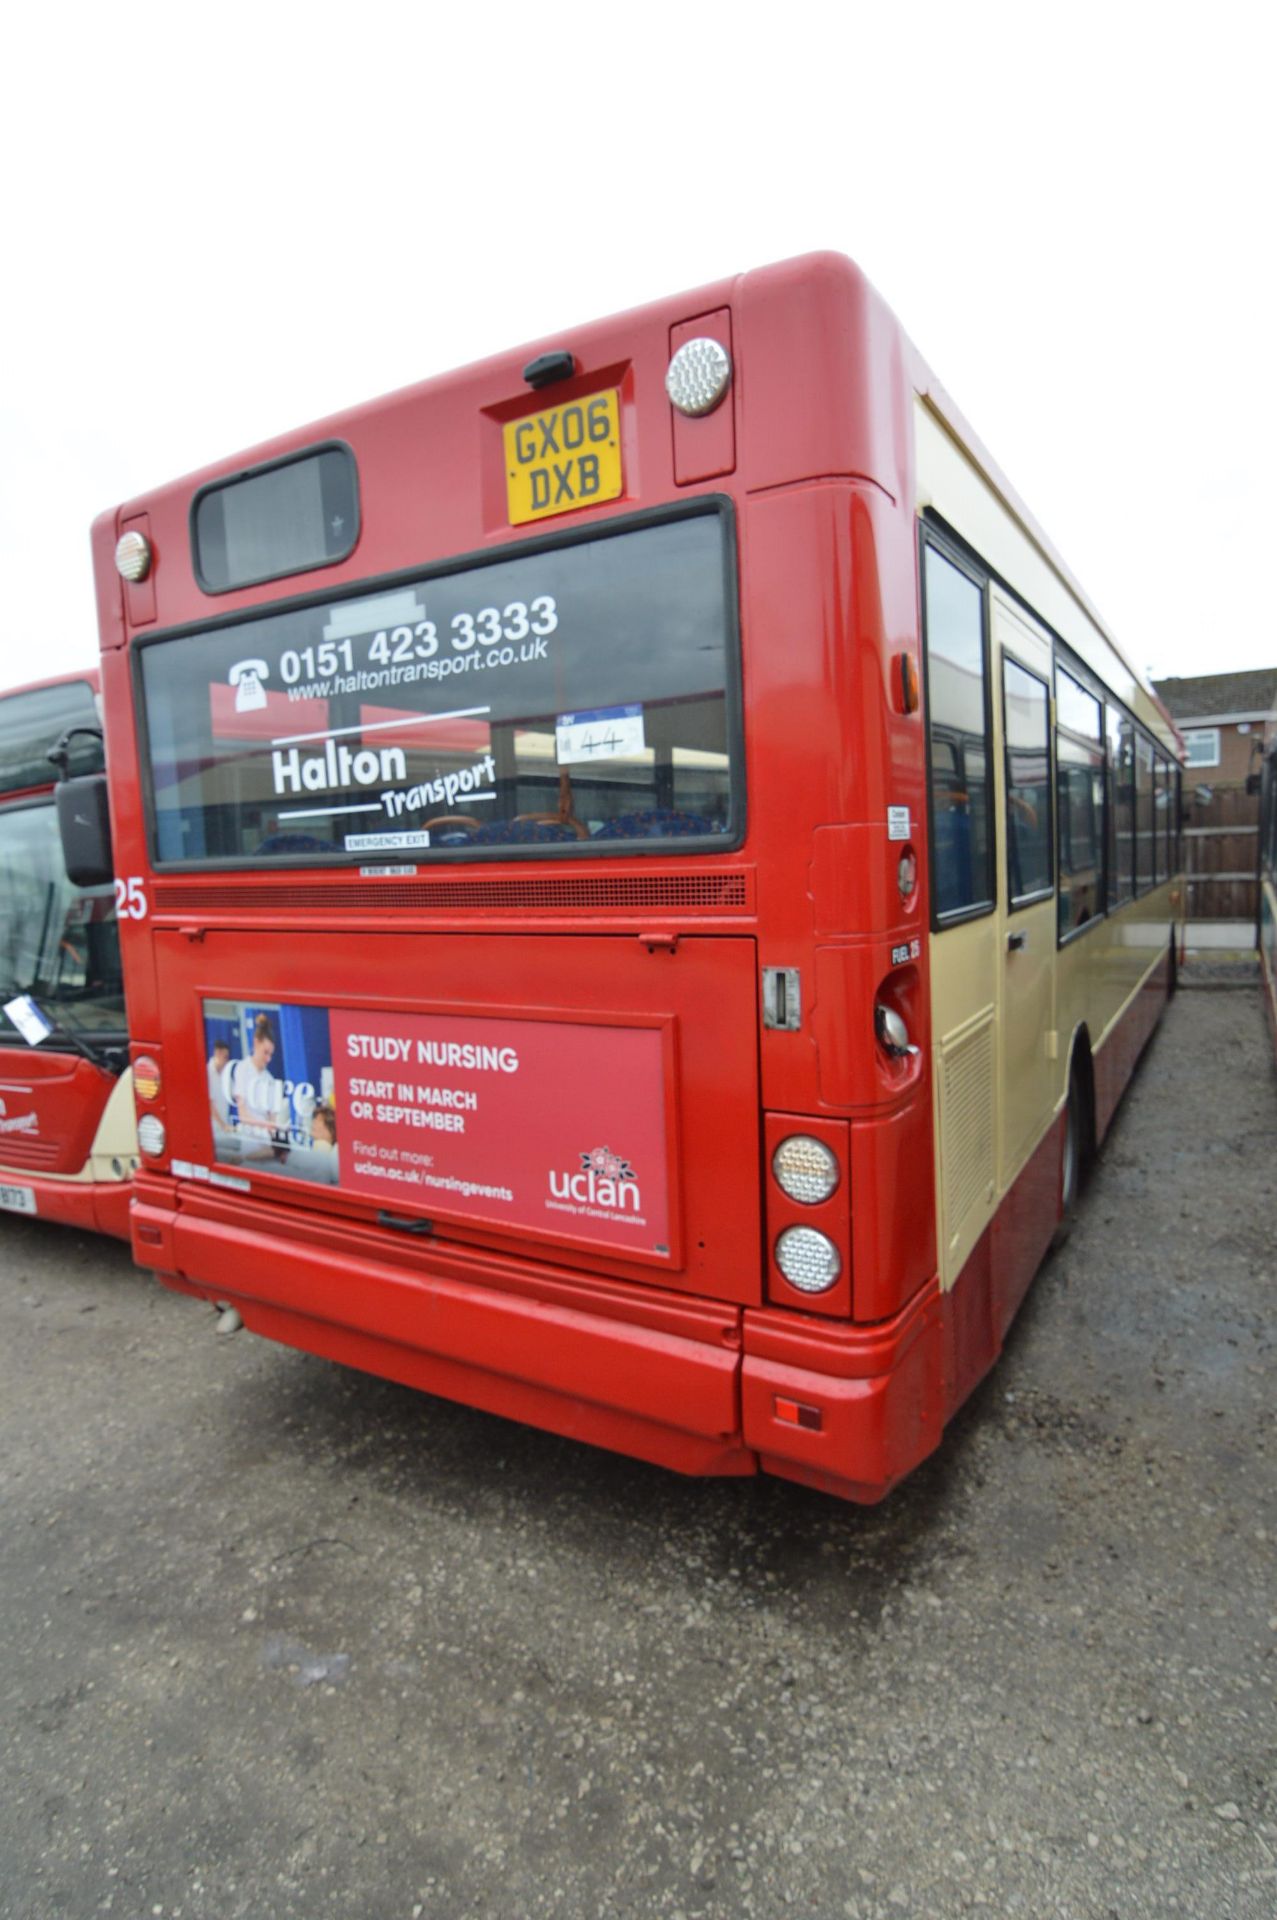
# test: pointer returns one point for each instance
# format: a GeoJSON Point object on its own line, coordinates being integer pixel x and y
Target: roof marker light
{"type": "Point", "coordinates": [698, 376]}
{"type": "Point", "coordinates": [133, 556]}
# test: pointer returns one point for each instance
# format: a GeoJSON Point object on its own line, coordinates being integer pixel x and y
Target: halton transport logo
{"type": "Point", "coordinates": [20, 1122]}
{"type": "Point", "coordinates": [603, 1179]}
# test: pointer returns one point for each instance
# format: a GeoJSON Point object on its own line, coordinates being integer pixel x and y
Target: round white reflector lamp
{"type": "Point", "coordinates": [698, 376]}
{"type": "Point", "coordinates": [805, 1169]}
{"type": "Point", "coordinates": [808, 1260]}
{"type": "Point", "coordinates": [132, 556]}
{"type": "Point", "coordinates": [151, 1136]}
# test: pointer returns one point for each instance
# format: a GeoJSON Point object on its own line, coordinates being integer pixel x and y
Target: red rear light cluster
{"type": "Point", "coordinates": [808, 1213]}
{"type": "Point", "coordinates": [147, 1084]}
{"type": "Point", "coordinates": [146, 1078]}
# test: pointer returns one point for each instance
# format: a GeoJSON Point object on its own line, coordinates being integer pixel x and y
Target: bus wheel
{"type": "Point", "coordinates": [1071, 1160]}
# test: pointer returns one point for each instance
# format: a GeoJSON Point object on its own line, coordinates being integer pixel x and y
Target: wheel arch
{"type": "Point", "coordinates": [1082, 1064]}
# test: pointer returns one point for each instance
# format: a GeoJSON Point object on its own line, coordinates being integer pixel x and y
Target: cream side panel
{"type": "Point", "coordinates": [949, 482]}
{"type": "Point", "coordinates": [1029, 1081]}
{"type": "Point", "coordinates": [964, 1061]}
{"type": "Point", "coordinates": [115, 1142]}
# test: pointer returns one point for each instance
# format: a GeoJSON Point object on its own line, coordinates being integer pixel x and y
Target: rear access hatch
{"type": "Point", "coordinates": [590, 1100]}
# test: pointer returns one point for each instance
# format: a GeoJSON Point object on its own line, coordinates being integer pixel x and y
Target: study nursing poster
{"type": "Point", "coordinates": [556, 1126]}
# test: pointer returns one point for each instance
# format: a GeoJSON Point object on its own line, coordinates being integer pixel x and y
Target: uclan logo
{"type": "Point", "coordinates": [604, 1179]}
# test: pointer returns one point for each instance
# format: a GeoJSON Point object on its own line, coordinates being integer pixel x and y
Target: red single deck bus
{"type": "Point", "coordinates": [652, 880]}
{"type": "Point", "coordinates": [67, 1131]}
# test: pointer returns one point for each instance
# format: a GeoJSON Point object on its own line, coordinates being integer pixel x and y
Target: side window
{"type": "Point", "coordinates": [1144, 813]}
{"type": "Point", "coordinates": [1079, 761]}
{"type": "Point", "coordinates": [958, 727]}
{"type": "Point", "coordinates": [1163, 818]}
{"type": "Point", "coordinates": [1120, 740]}
{"type": "Point", "coordinates": [1026, 714]}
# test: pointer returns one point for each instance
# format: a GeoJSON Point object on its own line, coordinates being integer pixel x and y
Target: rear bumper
{"type": "Point", "coordinates": [695, 1386]}
{"type": "Point", "coordinates": [850, 1410]}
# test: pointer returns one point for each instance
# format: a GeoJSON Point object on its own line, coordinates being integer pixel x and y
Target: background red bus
{"type": "Point", "coordinates": [1268, 876]}
{"type": "Point", "coordinates": [67, 1130]}
{"type": "Point", "coordinates": [652, 878]}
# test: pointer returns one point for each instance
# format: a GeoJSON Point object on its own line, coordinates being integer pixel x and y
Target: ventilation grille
{"type": "Point", "coordinates": [20, 1151]}
{"type": "Point", "coordinates": [547, 893]}
{"type": "Point", "coordinates": [966, 1127]}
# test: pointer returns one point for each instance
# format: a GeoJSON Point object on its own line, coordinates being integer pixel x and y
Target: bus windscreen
{"type": "Point", "coordinates": [58, 942]}
{"type": "Point", "coordinates": [31, 722]}
{"type": "Point", "coordinates": [575, 694]}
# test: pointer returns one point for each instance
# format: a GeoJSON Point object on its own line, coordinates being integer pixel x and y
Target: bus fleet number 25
{"type": "Point", "coordinates": [130, 899]}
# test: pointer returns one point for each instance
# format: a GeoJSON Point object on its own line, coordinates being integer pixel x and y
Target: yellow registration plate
{"type": "Point", "coordinates": [564, 459]}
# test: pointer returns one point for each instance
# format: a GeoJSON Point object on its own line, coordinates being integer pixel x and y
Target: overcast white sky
{"type": "Point", "coordinates": [223, 222]}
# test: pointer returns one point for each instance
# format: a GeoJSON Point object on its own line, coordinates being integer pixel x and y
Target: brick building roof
{"type": "Point", "coordinates": [1208, 694]}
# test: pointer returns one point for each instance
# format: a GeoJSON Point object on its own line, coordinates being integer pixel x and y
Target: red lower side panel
{"type": "Point", "coordinates": [988, 1293]}
{"type": "Point", "coordinates": [982, 1304]}
{"type": "Point", "coordinates": [1115, 1061]}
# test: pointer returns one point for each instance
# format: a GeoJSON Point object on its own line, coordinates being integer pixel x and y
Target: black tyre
{"type": "Point", "coordinates": [1071, 1160]}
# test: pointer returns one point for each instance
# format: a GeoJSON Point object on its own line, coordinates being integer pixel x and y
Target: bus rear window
{"type": "Point", "coordinates": [285, 518]}
{"type": "Point", "coordinates": [569, 696]}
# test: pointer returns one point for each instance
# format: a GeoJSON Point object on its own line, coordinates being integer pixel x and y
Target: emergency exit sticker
{"type": "Point", "coordinates": [897, 823]}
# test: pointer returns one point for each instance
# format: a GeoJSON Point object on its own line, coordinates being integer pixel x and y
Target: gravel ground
{"type": "Point", "coordinates": [281, 1640]}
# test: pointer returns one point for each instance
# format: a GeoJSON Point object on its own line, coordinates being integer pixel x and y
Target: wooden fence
{"type": "Point", "coordinates": [1221, 845]}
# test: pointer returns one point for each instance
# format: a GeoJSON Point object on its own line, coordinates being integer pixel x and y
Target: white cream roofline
{"type": "Point", "coordinates": [1220, 719]}
{"type": "Point", "coordinates": [1061, 599]}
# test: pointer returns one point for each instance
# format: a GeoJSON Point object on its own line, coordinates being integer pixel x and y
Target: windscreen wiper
{"type": "Point", "coordinates": [107, 1054]}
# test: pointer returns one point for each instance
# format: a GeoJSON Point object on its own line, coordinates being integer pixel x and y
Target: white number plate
{"type": "Point", "coordinates": [18, 1199]}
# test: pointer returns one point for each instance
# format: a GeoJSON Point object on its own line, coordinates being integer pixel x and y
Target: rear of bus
{"type": "Point", "coordinates": [67, 1147]}
{"type": "Point", "coordinates": [521, 780]}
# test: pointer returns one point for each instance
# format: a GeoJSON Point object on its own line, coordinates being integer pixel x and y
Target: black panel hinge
{"type": "Point", "coordinates": [403, 1225]}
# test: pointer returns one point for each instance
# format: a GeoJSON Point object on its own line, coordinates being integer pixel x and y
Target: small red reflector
{"type": "Point", "coordinates": [795, 1414]}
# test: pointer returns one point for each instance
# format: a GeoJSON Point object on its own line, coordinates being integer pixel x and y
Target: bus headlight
{"type": "Point", "coordinates": [808, 1260]}
{"type": "Point", "coordinates": [151, 1136]}
{"type": "Point", "coordinates": [805, 1169]}
{"type": "Point", "coordinates": [698, 376]}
